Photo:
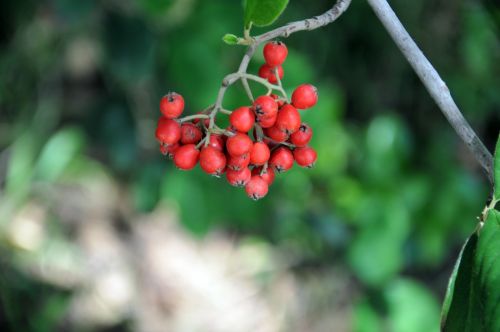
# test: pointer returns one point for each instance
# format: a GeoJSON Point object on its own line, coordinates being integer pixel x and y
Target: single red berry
{"type": "Point", "coordinates": [267, 175]}
{"type": "Point", "coordinates": [172, 105]}
{"type": "Point", "coordinates": [302, 136]}
{"type": "Point", "coordinates": [275, 53]}
{"type": "Point", "coordinates": [305, 156]}
{"type": "Point", "coordinates": [240, 162]}
{"type": "Point", "coordinates": [265, 106]}
{"type": "Point", "coordinates": [169, 150]}
{"type": "Point", "coordinates": [256, 188]}
{"type": "Point", "coordinates": [281, 159]}
{"type": "Point", "coordinates": [276, 134]}
{"type": "Point", "coordinates": [305, 96]}
{"type": "Point", "coordinates": [242, 119]}
{"type": "Point", "coordinates": [168, 131]}
{"type": "Point", "coordinates": [269, 73]}
{"type": "Point", "coordinates": [190, 133]}
{"type": "Point", "coordinates": [186, 157]}
{"type": "Point", "coordinates": [260, 154]}
{"type": "Point", "coordinates": [217, 141]}
{"type": "Point", "coordinates": [266, 121]}
{"type": "Point", "coordinates": [288, 119]}
{"type": "Point", "coordinates": [212, 161]}
{"type": "Point", "coordinates": [238, 178]}
{"type": "Point", "coordinates": [238, 144]}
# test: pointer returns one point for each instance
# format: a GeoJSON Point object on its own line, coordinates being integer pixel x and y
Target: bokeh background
{"type": "Point", "coordinates": [99, 232]}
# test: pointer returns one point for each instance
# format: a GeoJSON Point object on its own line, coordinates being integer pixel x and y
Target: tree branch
{"type": "Point", "coordinates": [433, 83]}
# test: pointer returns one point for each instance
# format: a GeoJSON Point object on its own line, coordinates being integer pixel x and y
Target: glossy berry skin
{"type": "Point", "coordinates": [217, 141]}
{"type": "Point", "coordinates": [242, 119]}
{"type": "Point", "coordinates": [281, 159]}
{"type": "Point", "coordinates": [267, 122]}
{"type": "Point", "coordinates": [239, 144]}
{"type": "Point", "coordinates": [168, 131]}
{"type": "Point", "coordinates": [186, 157]}
{"type": "Point", "coordinates": [288, 119]}
{"type": "Point", "coordinates": [267, 72]}
{"type": "Point", "coordinates": [238, 178]}
{"type": "Point", "coordinates": [302, 136]}
{"type": "Point", "coordinates": [260, 154]}
{"type": "Point", "coordinates": [169, 150]}
{"type": "Point", "coordinates": [275, 53]}
{"type": "Point", "coordinates": [267, 175]}
{"type": "Point", "coordinates": [190, 133]}
{"type": "Point", "coordinates": [265, 107]}
{"type": "Point", "coordinates": [305, 156]}
{"type": "Point", "coordinates": [172, 105]}
{"type": "Point", "coordinates": [240, 162]}
{"type": "Point", "coordinates": [212, 161]}
{"type": "Point", "coordinates": [256, 188]}
{"type": "Point", "coordinates": [276, 134]}
{"type": "Point", "coordinates": [304, 96]}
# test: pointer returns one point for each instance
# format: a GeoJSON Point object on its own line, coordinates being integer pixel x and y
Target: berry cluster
{"type": "Point", "coordinates": [262, 139]}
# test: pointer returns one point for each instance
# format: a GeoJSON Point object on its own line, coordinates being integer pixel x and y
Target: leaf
{"type": "Point", "coordinates": [472, 302]}
{"type": "Point", "coordinates": [230, 39]}
{"type": "Point", "coordinates": [496, 171]}
{"type": "Point", "coordinates": [263, 12]}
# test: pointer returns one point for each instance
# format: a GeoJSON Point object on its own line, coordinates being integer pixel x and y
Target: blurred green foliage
{"type": "Point", "coordinates": [394, 192]}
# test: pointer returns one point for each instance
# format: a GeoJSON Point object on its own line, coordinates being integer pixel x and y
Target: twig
{"type": "Point", "coordinates": [433, 83]}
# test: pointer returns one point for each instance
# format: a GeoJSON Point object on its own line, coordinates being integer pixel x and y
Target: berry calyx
{"type": "Point", "coordinates": [212, 161]}
{"type": "Point", "coordinates": [288, 119]}
{"type": "Point", "coordinates": [305, 96]}
{"type": "Point", "coordinates": [275, 53]}
{"type": "Point", "coordinates": [305, 156]}
{"type": "Point", "coordinates": [260, 154]}
{"type": "Point", "coordinates": [169, 150]}
{"type": "Point", "coordinates": [190, 134]}
{"type": "Point", "coordinates": [281, 159]}
{"type": "Point", "coordinates": [186, 157]}
{"type": "Point", "coordinates": [268, 72]}
{"type": "Point", "coordinates": [256, 188]}
{"type": "Point", "coordinates": [302, 136]}
{"type": "Point", "coordinates": [239, 144]}
{"type": "Point", "coordinates": [265, 106]}
{"type": "Point", "coordinates": [172, 105]}
{"type": "Point", "coordinates": [267, 174]}
{"type": "Point", "coordinates": [238, 178]}
{"type": "Point", "coordinates": [168, 131]}
{"type": "Point", "coordinates": [242, 119]}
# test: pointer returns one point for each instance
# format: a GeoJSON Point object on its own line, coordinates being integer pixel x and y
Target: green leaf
{"type": "Point", "coordinates": [496, 171]}
{"type": "Point", "coordinates": [230, 39]}
{"type": "Point", "coordinates": [472, 302]}
{"type": "Point", "coordinates": [263, 12]}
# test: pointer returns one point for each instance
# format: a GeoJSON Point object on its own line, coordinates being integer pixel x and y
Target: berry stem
{"type": "Point", "coordinates": [278, 79]}
{"type": "Point", "coordinates": [193, 117]}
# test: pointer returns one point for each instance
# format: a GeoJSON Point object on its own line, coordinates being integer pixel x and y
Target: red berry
{"type": "Point", "coordinates": [172, 105]}
{"type": "Point", "coordinates": [302, 136]}
{"type": "Point", "coordinates": [260, 154]}
{"type": "Point", "coordinates": [276, 135]}
{"type": "Point", "coordinates": [269, 74]}
{"type": "Point", "coordinates": [305, 156]}
{"type": "Point", "coordinates": [267, 122]}
{"type": "Point", "coordinates": [190, 134]}
{"type": "Point", "coordinates": [279, 101]}
{"type": "Point", "coordinates": [238, 178]}
{"type": "Point", "coordinates": [240, 162]}
{"type": "Point", "coordinates": [304, 96]}
{"type": "Point", "coordinates": [238, 144]}
{"type": "Point", "coordinates": [281, 159]}
{"type": "Point", "coordinates": [265, 106]}
{"type": "Point", "coordinates": [267, 175]}
{"type": "Point", "coordinates": [242, 119]}
{"type": "Point", "coordinates": [216, 141]}
{"type": "Point", "coordinates": [212, 161]}
{"type": "Point", "coordinates": [256, 188]}
{"type": "Point", "coordinates": [275, 53]}
{"type": "Point", "coordinates": [186, 157]}
{"type": "Point", "coordinates": [168, 131]}
{"type": "Point", "coordinates": [169, 150]}
{"type": "Point", "coordinates": [288, 119]}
